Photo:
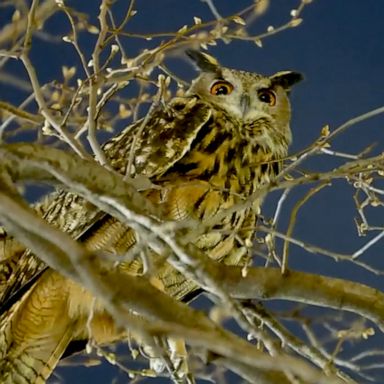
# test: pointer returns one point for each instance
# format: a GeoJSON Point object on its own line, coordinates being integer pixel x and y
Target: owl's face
{"type": "Point", "coordinates": [245, 96]}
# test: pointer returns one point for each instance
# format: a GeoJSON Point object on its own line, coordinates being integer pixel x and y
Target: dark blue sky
{"type": "Point", "coordinates": [338, 47]}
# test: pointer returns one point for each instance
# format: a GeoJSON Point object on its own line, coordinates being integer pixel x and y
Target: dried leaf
{"type": "Point", "coordinates": [124, 112]}
{"type": "Point", "coordinates": [16, 16]}
{"type": "Point", "coordinates": [238, 20]}
{"type": "Point", "coordinates": [68, 72]}
{"type": "Point", "coordinates": [55, 96]}
{"type": "Point", "coordinates": [134, 353]}
{"type": "Point", "coordinates": [368, 332]}
{"type": "Point", "coordinates": [295, 22]}
{"type": "Point", "coordinates": [93, 29]}
{"type": "Point", "coordinates": [115, 48]}
{"type": "Point", "coordinates": [183, 29]}
{"type": "Point", "coordinates": [325, 131]}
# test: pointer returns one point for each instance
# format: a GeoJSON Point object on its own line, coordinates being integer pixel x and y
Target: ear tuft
{"type": "Point", "coordinates": [286, 79]}
{"type": "Point", "coordinates": [203, 61]}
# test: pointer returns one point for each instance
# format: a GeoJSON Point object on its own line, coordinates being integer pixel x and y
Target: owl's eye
{"type": "Point", "coordinates": [267, 96]}
{"type": "Point", "coordinates": [221, 88]}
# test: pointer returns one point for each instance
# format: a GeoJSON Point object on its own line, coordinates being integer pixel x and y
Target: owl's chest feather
{"type": "Point", "coordinates": [233, 157]}
{"type": "Point", "coordinates": [223, 167]}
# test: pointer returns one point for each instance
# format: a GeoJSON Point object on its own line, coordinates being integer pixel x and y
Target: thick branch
{"type": "Point", "coordinates": [324, 291]}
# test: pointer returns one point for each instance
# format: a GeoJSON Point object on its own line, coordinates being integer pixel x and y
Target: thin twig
{"type": "Point", "coordinates": [213, 9]}
{"type": "Point", "coordinates": [36, 86]}
{"type": "Point", "coordinates": [292, 221]}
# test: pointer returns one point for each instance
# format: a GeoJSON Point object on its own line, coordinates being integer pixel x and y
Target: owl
{"type": "Point", "coordinates": [204, 153]}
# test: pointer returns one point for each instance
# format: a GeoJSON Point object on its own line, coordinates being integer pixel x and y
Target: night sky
{"type": "Point", "coordinates": [339, 48]}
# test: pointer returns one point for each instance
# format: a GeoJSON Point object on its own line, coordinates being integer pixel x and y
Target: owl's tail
{"type": "Point", "coordinates": [34, 333]}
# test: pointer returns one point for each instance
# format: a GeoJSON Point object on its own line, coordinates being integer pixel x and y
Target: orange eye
{"type": "Point", "coordinates": [267, 96]}
{"type": "Point", "coordinates": [221, 88]}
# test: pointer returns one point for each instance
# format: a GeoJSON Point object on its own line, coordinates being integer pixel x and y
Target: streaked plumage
{"type": "Point", "coordinates": [205, 152]}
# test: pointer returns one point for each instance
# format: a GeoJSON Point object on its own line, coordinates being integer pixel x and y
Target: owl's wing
{"type": "Point", "coordinates": [166, 137]}
{"type": "Point", "coordinates": [19, 268]}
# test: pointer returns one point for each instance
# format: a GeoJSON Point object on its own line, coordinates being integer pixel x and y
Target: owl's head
{"type": "Point", "coordinates": [245, 96]}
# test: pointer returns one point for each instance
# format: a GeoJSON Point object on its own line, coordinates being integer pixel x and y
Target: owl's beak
{"type": "Point", "coordinates": [245, 102]}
